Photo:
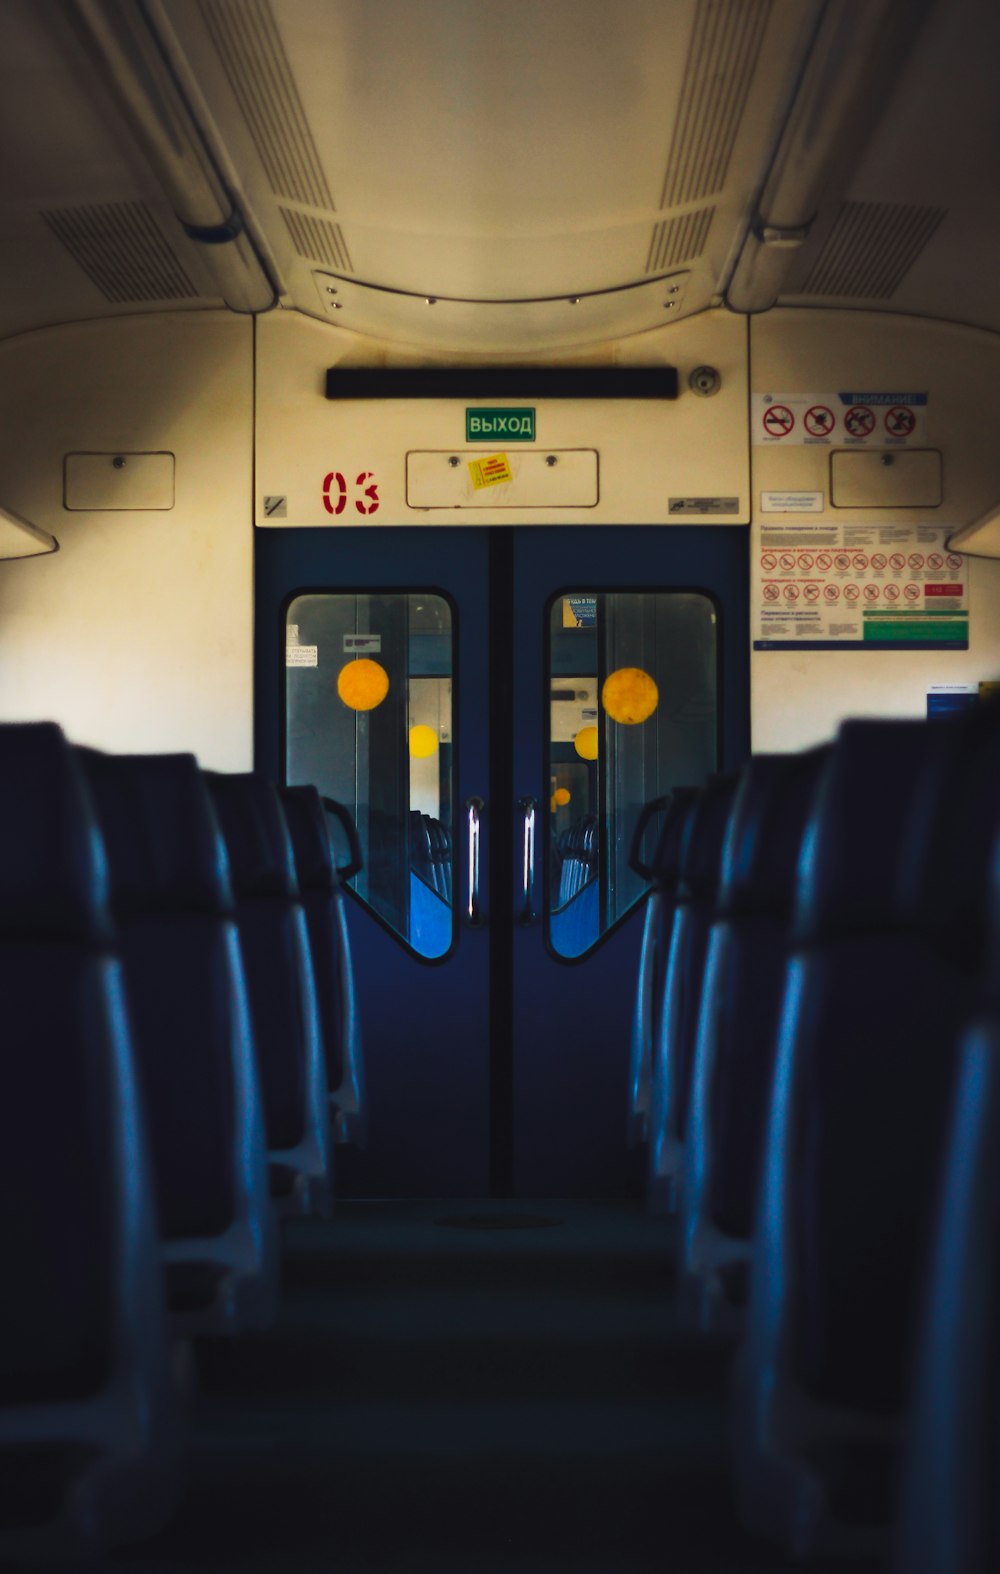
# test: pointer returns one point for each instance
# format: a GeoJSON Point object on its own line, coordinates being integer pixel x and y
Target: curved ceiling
{"type": "Point", "coordinates": [460, 178]}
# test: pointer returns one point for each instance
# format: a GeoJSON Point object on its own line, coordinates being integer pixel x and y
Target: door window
{"type": "Point", "coordinates": [368, 710]}
{"type": "Point", "coordinates": [632, 714]}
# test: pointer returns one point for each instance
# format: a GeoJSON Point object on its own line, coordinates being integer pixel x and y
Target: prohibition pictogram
{"type": "Point", "coordinates": [900, 421]}
{"type": "Point", "coordinates": [892, 592]}
{"type": "Point", "coordinates": [852, 591]}
{"type": "Point", "coordinates": [860, 561]}
{"type": "Point", "coordinates": [872, 592]}
{"type": "Point", "coordinates": [878, 561]}
{"type": "Point", "coordinates": [859, 421]}
{"type": "Point", "coordinates": [911, 592]}
{"type": "Point", "coordinates": [916, 560]}
{"type": "Point", "coordinates": [954, 561]}
{"type": "Point", "coordinates": [824, 560]}
{"type": "Point", "coordinates": [791, 592]}
{"type": "Point", "coordinates": [805, 560]}
{"type": "Point", "coordinates": [771, 592]}
{"type": "Point", "coordinates": [818, 421]}
{"type": "Point", "coordinates": [843, 561]}
{"type": "Point", "coordinates": [897, 560]}
{"type": "Point", "coordinates": [769, 561]}
{"type": "Point", "coordinates": [935, 560]}
{"type": "Point", "coordinates": [811, 591]}
{"type": "Point", "coordinates": [787, 561]}
{"type": "Point", "coordinates": [831, 592]}
{"type": "Point", "coordinates": [778, 420]}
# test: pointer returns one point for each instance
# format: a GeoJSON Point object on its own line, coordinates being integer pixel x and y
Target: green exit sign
{"type": "Point", "coordinates": [500, 426]}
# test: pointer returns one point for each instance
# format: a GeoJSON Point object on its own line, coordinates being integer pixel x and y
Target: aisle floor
{"type": "Point", "coordinates": [464, 1400]}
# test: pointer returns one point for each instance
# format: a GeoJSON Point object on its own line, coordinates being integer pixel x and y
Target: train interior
{"type": "Point", "coordinates": [499, 643]}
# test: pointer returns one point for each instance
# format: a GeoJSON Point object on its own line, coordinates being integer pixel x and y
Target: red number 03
{"type": "Point", "coordinates": [335, 493]}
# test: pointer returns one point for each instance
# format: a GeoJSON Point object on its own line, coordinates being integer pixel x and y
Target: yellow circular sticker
{"type": "Point", "coordinates": [423, 742]}
{"type": "Point", "coordinates": [362, 684]}
{"type": "Point", "coordinates": [585, 743]}
{"type": "Point", "coordinates": [629, 695]}
{"type": "Point", "coordinates": [560, 797]}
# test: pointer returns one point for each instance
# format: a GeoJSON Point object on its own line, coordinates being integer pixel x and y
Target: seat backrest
{"type": "Point", "coordinates": [658, 923]}
{"type": "Point", "coordinates": [57, 1208]}
{"type": "Point", "coordinates": [856, 841]}
{"type": "Point", "coordinates": [876, 1039]}
{"type": "Point", "coordinates": [945, 881]}
{"type": "Point", "coordinates": [666, 862]}
{"type": "Point", "coordinates": [320, 893]}
{"type": "Point", "coordinates": [949, 1521]}
{"type": "Point", "coordinates": [756, 901]}
{"type": "Point", "coordinates": [276, 952]}
{"type": "Point", "coordinates": [699, 878]}
{"type": "Point", "coordinates": [174, 909]}
{"type": "Point", "coordinates": [760, 859]}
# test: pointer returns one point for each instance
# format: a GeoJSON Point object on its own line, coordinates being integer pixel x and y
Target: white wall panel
{"type": "Point", "coordinates": [137, 634]}
{"type": "Point", "coordinates": [800, 697]}
{"type": "Point", "coordinates": [651, 453]}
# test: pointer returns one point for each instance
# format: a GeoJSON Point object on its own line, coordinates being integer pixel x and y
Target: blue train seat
{"type": "Point", "coordinates": [174, 909]}
{"type": "Point", "coordinates": [658, 922]}
{"type": "Point", "coordinates": [675, 1031]}
{"type": "Point", "coordinates": [737, 1031]}
{"type": "Point", "coordinates": [283, 1004]}
{"type": "Point", "coordinates": [331, 957]}
{"type": "Point", "coordinates": [90, 1432]}
{"type": "Point", "coordinates": [949, 1521]}
{"type": "Point", "coordinates": [574, 923]}
{"type": "Point", "coordinates": [866, 1051]}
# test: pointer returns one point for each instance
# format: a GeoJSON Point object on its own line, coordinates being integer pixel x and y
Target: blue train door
{"type": "Point", "coordinates": [495, 705]}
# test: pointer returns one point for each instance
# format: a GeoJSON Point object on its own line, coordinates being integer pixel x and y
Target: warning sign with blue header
{"type": "Point", "coordinates": [846, 419]}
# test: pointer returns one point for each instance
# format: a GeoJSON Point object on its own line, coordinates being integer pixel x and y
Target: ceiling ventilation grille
{"type": "Point", "coordinates": [679, 240]}
{"type": "Point", "coordinates": [122, 250]}
{"type": "Point", "coordinates": [318, 240]}
{"type": "Point", "coordinates": [723, 52]}
{"type": "Point", "coordinates": [249, 46]}
{"type": "Point", "coordinates": [870, 249]}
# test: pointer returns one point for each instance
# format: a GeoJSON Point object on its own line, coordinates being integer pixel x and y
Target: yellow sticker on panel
{"type": "Point", "coordinates": [491, 471]}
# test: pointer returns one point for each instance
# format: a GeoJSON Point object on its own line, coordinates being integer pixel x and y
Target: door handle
{"type": "Point", "coordinates": [527, 807]}
{"type": "Point", "coordinates": [473, 815]}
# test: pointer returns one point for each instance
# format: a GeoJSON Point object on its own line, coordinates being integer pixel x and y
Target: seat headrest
{"type": "Point", "coordinates": [311, 846]}
{"type": "Point", "coordinates": [53, 868]}
{"type": "Point", "coordinates": [256, 835]}
{"type": "Point", "coordinates": [951, 833]}
{"type": "Point", "coordinates": [854, 841]}
{"type": "Point", "coordinates": [666, 861]}
{"type": "Point", "coordinates": [761, 855]}
{"type": "Point", "coordinates": [704, 835]}
{"type": "Point", "coordinates": [165, 849]}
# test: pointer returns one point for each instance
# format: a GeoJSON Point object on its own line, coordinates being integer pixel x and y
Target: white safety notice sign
{"type": "Point", "coordinates": [859, 587]}
{"type": "Point", "coordinates": [846, 419]}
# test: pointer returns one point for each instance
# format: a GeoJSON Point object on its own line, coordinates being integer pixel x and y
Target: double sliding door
{"type": "Point", "coordinates": [495, 706]}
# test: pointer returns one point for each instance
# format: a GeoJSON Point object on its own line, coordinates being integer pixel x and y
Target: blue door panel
{"type": "Point", "coordinates": [572, 1019]}
{"type": "Point", "coordinates": [559, 1085]}
{"type": "Point", "coordinates": [425, 1026]}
